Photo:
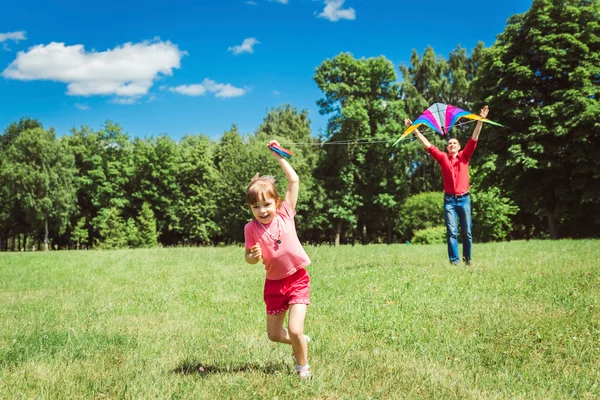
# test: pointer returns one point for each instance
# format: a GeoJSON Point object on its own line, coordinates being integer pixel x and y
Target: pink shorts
{"type": "Point", "coordinates": [280, 293]}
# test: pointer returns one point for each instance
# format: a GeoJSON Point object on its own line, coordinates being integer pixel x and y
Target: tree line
{"type": "Point", "coordinates": [535, 178]}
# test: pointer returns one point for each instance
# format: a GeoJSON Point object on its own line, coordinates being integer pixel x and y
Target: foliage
{"type": "Point", "coordinates": [80, 234]}
{"type": "Point", "coordinates": [492, 209]}
{"type": "Point", "coordinates": [39, 171]}
{"type": "Point", "coordinates": [432, 235]}
{"type": "Point", "coordinates": [491, 213]}
{"type": "Point", "coordinates": [197, 205]}
{"type": "Point", "coordinates": [147, 227]}
{"type": "Point", "coordinates": [421, 211]}
{"type": "Point", "coordinates": [541, 79]}
{"type": "Point", "coordinates": [363, 102]}
{"type": "Point", "coordinates": [112, 230]}
{"type": "Point", "coordinates": [156, 164]}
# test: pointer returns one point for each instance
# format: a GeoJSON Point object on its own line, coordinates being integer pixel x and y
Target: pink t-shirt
{"type": "Point", "coordinates": [283, 259]}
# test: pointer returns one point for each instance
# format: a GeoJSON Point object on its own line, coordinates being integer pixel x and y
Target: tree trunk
{"type": "Point", "coordinates": [25, 242]}
{"type": "Point", "coordinates": [389, 241]}
{"type": "Point", "coordinates": [14, 240]}
{"type": "Point", "coordinates": [46, 234]}
{"type": "Point", "coordinates": [364, 233]}
{"type": "Point", "coordinates": [552, 227]}
{"type": "Point", "coordinates": [19, 242]}
{"type": "Point", "coordinates": [338, 233]}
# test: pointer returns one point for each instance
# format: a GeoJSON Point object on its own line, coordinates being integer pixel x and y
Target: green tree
{"type": "Point", "coordinates": [104, 162]}
{"type": "Point", "coordinates": [80, 234]}
{"type": "Point", "coordinates": [112, 229]}
{"type": "Point", "coordinates": [39, 170]}
{"type": "Point", "coordinates": [197, 207]}
{"type": "Point", "coordinates": [12, 215]}
{"type": "Point", "coordinates": [541, 78]}
{"type": "Point", "coordinates": [156, 164]}
{"type": "Point", "coordinates": [235, 165]}
{"type": "Point", "coordinates": [421, 211]}
{"type": "Point", "coordinates": [146, 223]}
{"type": "Point", "coordinates": [362, 98]}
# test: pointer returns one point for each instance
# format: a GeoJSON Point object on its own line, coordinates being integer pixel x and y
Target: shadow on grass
{"type": "Point", "coordinates": [202, 370]}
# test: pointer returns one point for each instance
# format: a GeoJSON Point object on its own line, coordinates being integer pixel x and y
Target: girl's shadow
{"type": "Point", "coordinates": [202, 370]}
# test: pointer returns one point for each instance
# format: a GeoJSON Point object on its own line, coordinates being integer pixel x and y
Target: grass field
{"type": "Point", "coordinates": [386, 322]}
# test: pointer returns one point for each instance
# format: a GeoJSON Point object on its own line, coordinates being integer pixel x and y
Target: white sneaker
{"type": "Point", "coordinates": [303, 372]}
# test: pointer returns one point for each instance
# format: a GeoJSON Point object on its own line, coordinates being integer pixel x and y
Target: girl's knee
{"type": "Point", "coordinates": [277, 334]}
{"type": "Point", "coordinates": [295, 332]}
{"type": "Point", "coordinates": [273, 336]}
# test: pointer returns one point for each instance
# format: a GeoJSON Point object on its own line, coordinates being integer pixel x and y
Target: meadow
{"type": "Point", "coordinates": [386, 322]}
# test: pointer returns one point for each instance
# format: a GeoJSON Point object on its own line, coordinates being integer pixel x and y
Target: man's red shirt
{"type": "Point", "coordinates": [455, 170]}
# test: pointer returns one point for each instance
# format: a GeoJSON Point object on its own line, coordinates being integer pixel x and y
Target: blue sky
{"type": "Point", "coordinates": [189, 67]}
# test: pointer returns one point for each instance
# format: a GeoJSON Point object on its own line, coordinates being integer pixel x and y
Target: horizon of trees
{"type": "Point", "coordinates": [537, 178]}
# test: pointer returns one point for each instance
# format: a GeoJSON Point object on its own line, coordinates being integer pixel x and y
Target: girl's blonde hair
{"type": "Point", "coordinates": [261, 188]}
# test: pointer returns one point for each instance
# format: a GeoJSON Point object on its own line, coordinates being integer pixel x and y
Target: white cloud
{"type": "Point", "coordinates": [252, 3]}
{"type": "Point", "coordinates": [276, 93]}
{"type": "Point", "coordinates": [82, 107]}
{"type": "Point", "coordinates": [127, 71]}
{"type": "Point", "coordinates": [221, 90]}
{"type": "Point", "coordinates": [245, 47]}
{"type": "Point", "coordinates": [280, 1]}
{"type": "Point", "coordinates": [333, 11]}
{"type": "Point", "coordinates": [14, 36]}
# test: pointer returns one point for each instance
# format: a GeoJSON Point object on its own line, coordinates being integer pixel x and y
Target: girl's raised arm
{"type": "Point", "coordinates": [291, 193]}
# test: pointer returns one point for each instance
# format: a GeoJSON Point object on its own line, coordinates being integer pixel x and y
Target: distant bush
{"type": "Point", "coordinates": [421, 211]}
{"type": "Point", "coordinates": [491, 215]}
{"type": "Point", "coordinates": [433, 235]}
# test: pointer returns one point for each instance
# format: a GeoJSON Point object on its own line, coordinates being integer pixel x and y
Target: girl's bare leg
{"type": "Point", "coordinates": [296, 333]}
{"type": "Point", "coordinates": [275, 330]}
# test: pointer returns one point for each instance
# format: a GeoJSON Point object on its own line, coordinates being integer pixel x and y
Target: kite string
{"type": "Point", "coordinates": [364, 140]}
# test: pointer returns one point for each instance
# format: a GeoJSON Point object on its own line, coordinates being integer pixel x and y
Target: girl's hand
{"type": "Point", "coordinates": [407, 122]}
{"type": "Point", "coordinates": [255, 252]}
{"type": "Point", "coordinates": [276, 155]}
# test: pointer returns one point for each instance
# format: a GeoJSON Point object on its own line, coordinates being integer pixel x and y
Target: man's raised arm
{"type": "Point", "coordinates": [418, 135]}
{"type": "Point", "coordinates": [483, 113]}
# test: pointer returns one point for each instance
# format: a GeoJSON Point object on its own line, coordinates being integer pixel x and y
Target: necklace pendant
{"type": "Point", "coordinates": [278, 241]}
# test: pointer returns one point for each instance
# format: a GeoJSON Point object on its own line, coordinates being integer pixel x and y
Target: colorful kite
{"type": "Point", "coordinates": [441, 118]}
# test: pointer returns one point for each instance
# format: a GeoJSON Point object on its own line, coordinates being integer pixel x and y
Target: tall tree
{"type": "Point", "coordinates": [235, 164]}
{"type": "Point", "coordinates": [362, 98]}
{"type": "Point", "coordinates": [542, 79]}
{"type": "Point", "coordinates": [104, 162]}
{"type": "Point", "coordinates": [156, 163]}
{"type": "Point", "coordinates": [39, 169]}
{"type": "Point", "coordinates": [12, 218]}
{"type": "Point", "coordinates": [197, 206]}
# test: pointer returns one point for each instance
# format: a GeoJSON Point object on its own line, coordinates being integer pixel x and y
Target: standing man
{"type": "Point", "coordinates": [455, 174]}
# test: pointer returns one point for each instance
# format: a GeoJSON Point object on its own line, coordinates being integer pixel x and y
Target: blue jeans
{"type": "Point", "coordinates": [458, 208]}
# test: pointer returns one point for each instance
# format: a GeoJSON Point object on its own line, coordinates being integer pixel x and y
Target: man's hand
{"type": "Point", "coordinates": [255, 253]}
{"type": "Point", "coordinates": [484, 112]}
{"type": "Point", "coordinates": [407, 122]}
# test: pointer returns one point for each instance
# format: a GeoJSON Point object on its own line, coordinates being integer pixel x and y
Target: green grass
{"type": "Point", "coordinates": [386, 322]}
